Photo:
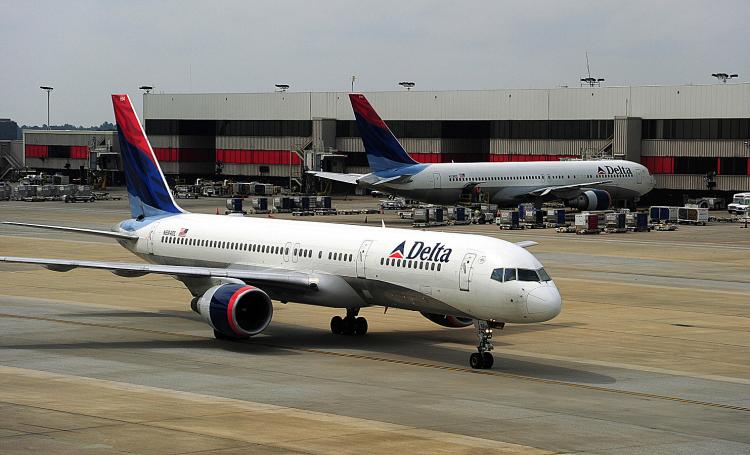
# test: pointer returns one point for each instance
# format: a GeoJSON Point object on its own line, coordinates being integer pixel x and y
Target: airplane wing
{"type": "Point", "coordinates": [563, 189]}
{"type": "Point", "coordinates": [526, 243]}
{"type": "Point", "coordinates": [112, 234]}
{"type": "Point", "coordinates": [296, 280]}
{"type": "Point", "coordinates": [338, 177]}
{"type": "Point", "coordinates": [399, 179]}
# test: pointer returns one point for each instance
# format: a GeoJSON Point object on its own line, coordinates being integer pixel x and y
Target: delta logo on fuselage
{"type": "Point", "coordinates": [619, 170]}
{"type": "Point", "coordinates": [418, 250]}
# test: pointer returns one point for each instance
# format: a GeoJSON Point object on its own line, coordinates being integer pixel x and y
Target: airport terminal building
{"type": "Point", "coordinates": [680, 133]}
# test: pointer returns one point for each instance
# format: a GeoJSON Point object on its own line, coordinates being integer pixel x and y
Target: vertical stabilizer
{"type": "Point", "coordinates": [148, 191]}
{"type": "Point", "coordinates": [382, 148]}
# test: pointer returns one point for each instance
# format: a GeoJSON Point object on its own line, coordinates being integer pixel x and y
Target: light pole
{"type": "Point", "coordinates": [282, 87]}
{"type": "Point", "coordinates": [47, 89]}
{"type": "Point", "coordinates": [146, 90]}
{"type": "Point", "coordinates": [354, 78]}
{"type": "Point", "coordinates": [408, 85]}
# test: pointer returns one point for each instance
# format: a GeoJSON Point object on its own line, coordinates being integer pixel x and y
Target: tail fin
{"type": "Point", "coordinates": [383, 149]}
{"type": "Point", "coordinates": [148, 192]}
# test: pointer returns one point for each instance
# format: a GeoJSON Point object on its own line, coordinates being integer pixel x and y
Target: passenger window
{"type": "Point", "coordinates": [509, 275]}
{"type": "Point", "coordinates": [381, 261]}
{"type": "Point", "coordinates": [438, 268]}
{"type": "Point", "coordinates": [432, 267]}
{"type": "Point", "coordinates": [320, 255]}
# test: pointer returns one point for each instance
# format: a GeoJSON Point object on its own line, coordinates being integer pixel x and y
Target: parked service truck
{"type": "Point", "coordinates": [740, 203]}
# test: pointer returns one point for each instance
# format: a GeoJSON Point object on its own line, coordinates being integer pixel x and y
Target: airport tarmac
{"type": "Point", "coordinates": [649, 355]}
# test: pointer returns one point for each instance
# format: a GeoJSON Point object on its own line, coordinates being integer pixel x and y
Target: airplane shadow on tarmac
{"type": "Point", "coordinates": [427, 346]}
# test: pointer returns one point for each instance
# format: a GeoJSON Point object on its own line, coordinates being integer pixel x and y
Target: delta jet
{"type": "Point", "coordinates": [585, 185]}
{"type": "Point", "coordinates": [234, 266]}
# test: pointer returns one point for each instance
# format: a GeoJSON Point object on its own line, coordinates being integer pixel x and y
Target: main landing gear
{"type": "Point", "coordinates": [350, 325]}
{"type": "Point", "coordinates": [482, 359]}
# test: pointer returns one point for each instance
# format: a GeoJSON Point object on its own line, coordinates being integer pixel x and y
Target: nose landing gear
{"type": "Point", "coordinates": [350, 325]}
{"type": "Point", "coordinates": [482, 359]}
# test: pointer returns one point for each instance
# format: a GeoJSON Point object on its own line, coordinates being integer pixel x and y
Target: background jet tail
{"type": "Point", "coordinates": [148, 192]}
{"type": "Point", "coordinates": [383, 149]}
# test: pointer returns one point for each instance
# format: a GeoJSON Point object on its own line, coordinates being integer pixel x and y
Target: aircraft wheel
{"type": "Point", "coordinates": [360, 326]}
{"type": "Point", "coordinates": [488, 360]}
{"type": "Point", "coordinates": [476, 361]}
{"type": "Point", "coordinates": [337, 325]}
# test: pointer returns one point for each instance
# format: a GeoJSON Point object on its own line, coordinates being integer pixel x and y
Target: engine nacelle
{"type": "Point", "coordinates": [591, 200]}
{"type": "Point", "coordinates": [236, 310]}
{"type": "Point", "coordinates": [453, 322]}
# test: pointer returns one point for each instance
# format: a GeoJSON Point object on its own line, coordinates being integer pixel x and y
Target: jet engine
{"type": "Point", "coordinates": [448, 321]}
{"type": "Point", "coordinates": [591, 200]}
{"type": "Point", "coordinates": [235, 310]}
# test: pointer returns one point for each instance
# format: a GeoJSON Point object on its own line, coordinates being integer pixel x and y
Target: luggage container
{"type": "Point", "coordinates": [437, 215]}
{"type": "Point", "coordinates": [323, 202]}
{"type": "Point", "coordinates": [421, 215]}
{"type": "Point", "coordinates": [6, 191]}
{"type": "Point", "coordinates": [508, 219]}
{"type": "Point", "coordinates": [259, 204]}
{"type": "Point", "coordinates": [692, 215]}
{"type": "Point", "coordinates": [587, 223]}
{"type": "Point", "coordinates": [663, 214]}
{"type": "Point", "coordinates": [283, 203]}
{"type": "Point", "coordinates": [615, 222]}
{"type": "Point", "coordinates": [556, 217]}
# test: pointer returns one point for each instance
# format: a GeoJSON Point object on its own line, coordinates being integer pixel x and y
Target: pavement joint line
{"type": "Point", "coordinates": [712, 291]}
{"type": "Point", "coordinates": [643, 395]}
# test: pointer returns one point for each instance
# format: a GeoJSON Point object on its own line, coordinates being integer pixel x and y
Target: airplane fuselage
{"type": "Point", "coordinates": [357, 266]}
{"type": "Point", "coordinates": [511, 183]}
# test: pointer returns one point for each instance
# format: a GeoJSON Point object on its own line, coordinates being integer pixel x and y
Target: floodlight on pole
{"type": "Point", "coordinates": [354, 78]}
{"type": "Point", "coordinates": [282, 87]}
{"type": "Point", "coordinates": [146, 88]}
{"type": "Point", "coordinates": [47, 89]}
{"type": "Point", "coordinates": [407, 85]}
{"type": "Point", "coordinates": [724, 77]}
{"type": "Point", "coordinates": [590, 80]}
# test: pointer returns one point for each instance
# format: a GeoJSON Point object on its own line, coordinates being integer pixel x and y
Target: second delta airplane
{"type": "Point", "coordinates": [235, 266]}
{"type": "Point", "coordinates": [585, 185]}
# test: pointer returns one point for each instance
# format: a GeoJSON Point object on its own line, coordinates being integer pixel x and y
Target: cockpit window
{"type": "Point", "coordinates": [527, 275]}
{"type": "Point", "coordinates": [510, 275]}
{"type": "Point", "coordinates": [497, 275]}
{"type": "Point", "coordinates": [543, 275]}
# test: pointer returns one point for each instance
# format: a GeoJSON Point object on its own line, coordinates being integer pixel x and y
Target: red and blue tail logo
{"type": "Point", "coordinates": [398, 252]}
{"type": "Point", "coordinates": [384, 152]}
{"type": "Point", "coordinates": [148, 192]}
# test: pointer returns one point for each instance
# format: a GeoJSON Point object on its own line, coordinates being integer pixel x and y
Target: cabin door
{"type": "Point", "coordinates": [639, 176]}
{"type": "Point", "coordinates": [464, 273]}
{"type": "Point", "coordinates": [362, 257]}
{"type": "Point", "coordinates": [436, 180]}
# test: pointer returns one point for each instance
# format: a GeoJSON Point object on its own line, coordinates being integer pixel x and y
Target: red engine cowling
{"type": "Point", "coordinates": [591, 200]}
{"type": "Point", "coordinates": [448, 321]}
{"type": "Point", "coordinates": [235, 310]}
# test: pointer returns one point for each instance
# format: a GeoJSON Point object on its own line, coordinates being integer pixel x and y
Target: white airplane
{"type": "Point", "coordinates": [585, 185]}
{"type": "Point", "coordinates": [235, 266]}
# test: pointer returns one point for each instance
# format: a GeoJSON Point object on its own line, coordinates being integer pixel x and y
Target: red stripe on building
{"type": "Point", "coordinates": [242, 156]}
{"type": "Point", "coordinates": [35, 151]}
{"type": "Point", "coordinates": [79, 152]}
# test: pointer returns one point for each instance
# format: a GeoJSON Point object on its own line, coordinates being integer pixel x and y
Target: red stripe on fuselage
{"type": "Point", "coordinates": [128, 122]}
{"type": "Point", "coordinates": [230, 309]}
{"type": "Point", "coordinates": [362, 107]}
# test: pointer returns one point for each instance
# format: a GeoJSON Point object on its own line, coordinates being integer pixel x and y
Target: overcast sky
{"type": "Point", "coordinates": [87, 50]}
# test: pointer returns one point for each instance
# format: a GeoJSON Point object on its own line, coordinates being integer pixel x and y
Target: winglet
{"type": "Point", "coordinates": [526, 243]}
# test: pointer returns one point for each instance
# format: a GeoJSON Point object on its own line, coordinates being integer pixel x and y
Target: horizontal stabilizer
{"type": "Point", "coordinates": [351, 179]}
{"type": "Point", "coordinates": [296, 280]}
{"type": "Point", "coordinates": [111, 234]}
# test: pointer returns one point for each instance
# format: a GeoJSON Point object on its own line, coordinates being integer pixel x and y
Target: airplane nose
{"type": "Point", "coordinates": [544, 303]}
